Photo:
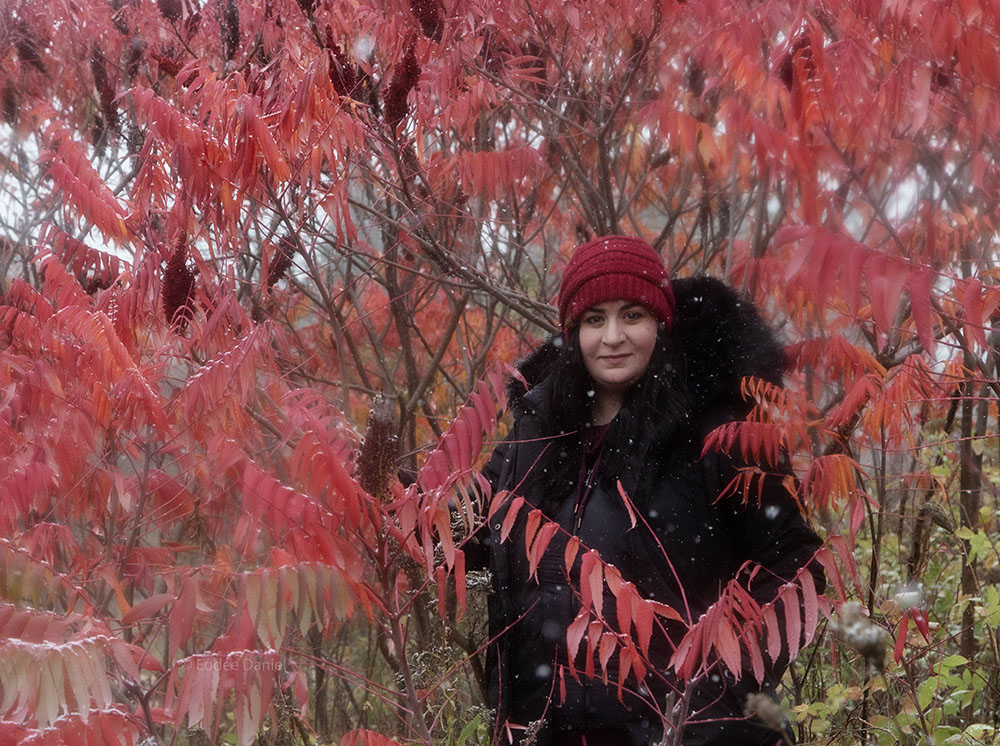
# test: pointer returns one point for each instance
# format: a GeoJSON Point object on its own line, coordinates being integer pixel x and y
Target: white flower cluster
{"type": "Point", "coordinates": [858, 631]}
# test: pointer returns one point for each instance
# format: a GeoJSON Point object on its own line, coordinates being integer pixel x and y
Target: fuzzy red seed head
{"type": "Point", "coordinates": [343, 74]}
{"type": "Point", "coordinates": [405, 76]}
{"type": "Point", "coordinates": [379, 451]}
{"type": "Point", "coordinates": [428, 15]}
{"type": "Point", "coordinates": [170, 9]}
{"type": "Point", "coordinates": [281, 260]}
{"type": "Point", "coordinates": [178, 286]}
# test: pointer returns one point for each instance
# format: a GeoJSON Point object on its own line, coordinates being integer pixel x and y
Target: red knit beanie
{"type": "Point", "coordinates": [615, 268]}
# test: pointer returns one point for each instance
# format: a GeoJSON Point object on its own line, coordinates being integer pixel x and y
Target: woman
{"type": "Point", "coordinates": [643, 370]}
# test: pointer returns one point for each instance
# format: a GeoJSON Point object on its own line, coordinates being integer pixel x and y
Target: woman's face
{"type": "Point", "coordinates": [617, 340]}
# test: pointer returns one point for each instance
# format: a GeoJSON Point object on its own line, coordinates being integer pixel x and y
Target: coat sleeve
{"type": "Point", "coordinates": [480, 555]}
{"type": "Point", "coordinates": [772, 536]}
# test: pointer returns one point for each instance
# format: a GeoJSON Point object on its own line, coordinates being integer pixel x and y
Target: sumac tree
{"type": "Point", "coordinates": [227, 227]}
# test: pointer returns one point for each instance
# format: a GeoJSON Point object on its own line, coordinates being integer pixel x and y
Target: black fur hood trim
{"type": "Point", "coordinates": [721, 336]}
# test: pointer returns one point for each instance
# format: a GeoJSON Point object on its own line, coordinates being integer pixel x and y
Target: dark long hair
{"type": "Point", "coordinates": [652, 423]}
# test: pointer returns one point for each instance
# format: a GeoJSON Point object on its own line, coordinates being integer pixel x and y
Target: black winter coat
{"type": "Point", "coordinates": [721, 340]}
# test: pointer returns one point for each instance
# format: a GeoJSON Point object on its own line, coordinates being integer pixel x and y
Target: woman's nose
{"type": "Point", "coordinates": [613, 333]}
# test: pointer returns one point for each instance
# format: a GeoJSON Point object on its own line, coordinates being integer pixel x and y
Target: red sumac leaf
{"type": "Point", "coordinates": [643, 617]}
{"type": "Point", "coordinates": [614, 579]}
{"type": "Point", "coordinates": [442, 522]}
{"type": "Point", "coordinates": [569, 555]}
{"type": "Point", "coordinates": [627, 502]}
{"type": "Point", "coordinates": [607, 648]}
{"type": "Point", "coordinates": [887, 277]}
{"type": "Point", "coordinates": [499, 500]}
{"type": "Point", "coordinates": [12, 732]}
{"type": "Point", "coordinates": [541, 544]}
{"type": "Point", "coordinates": [825, 557]}
{"type": "Point", "coordinates": [920, 619]}
{"type": "Point", "coordinates": [686, 655]}
{"type": "Point", "coordinates": [839, 544]}
{"type": "Point", "coordinates": [265, 141]}
{"type": "Point", "coordinates": [788, 234]}
{"type": "Point", "coordinates": [592, 582]}
{"type": "Point", "coordinates": [147, 608]}
{"type": "Point", "coordinates": [810, 603]}
{"type": "Point", "coordinates": [728, 645]}
{"type": "Point", "coordinates": [594, 630]}
{"type": "Point", "coordinates": [485, 403]}
{"type": "Point", "coordinates": [626, 656]}
{"type": "Point", "coordinates": [182, 616]}
{"type": "Point", "coordinates": [770, 618]}
{"type": "Point", "coordinates": [574, 635]}
{"type": "Point", "coordinates": [665, 611]}
{"type": "Point", "coordinates": [793, 620]}
{"type": "Point", "coordinates": [508, 521]}
{"type": "Point", "coordinates": [624, 606]}
{"type": "Point", "coordinates": [756, 659]}
{"type": "Point", "coordinates": [904, 626]}
{"type": "Point", "coordinates": [463, 440]}
{"type": "Point", "coordinates": [530, 527]}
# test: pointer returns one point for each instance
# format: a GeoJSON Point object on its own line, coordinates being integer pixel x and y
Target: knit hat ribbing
{"type": "Point", "coordinates": [615, 268]}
